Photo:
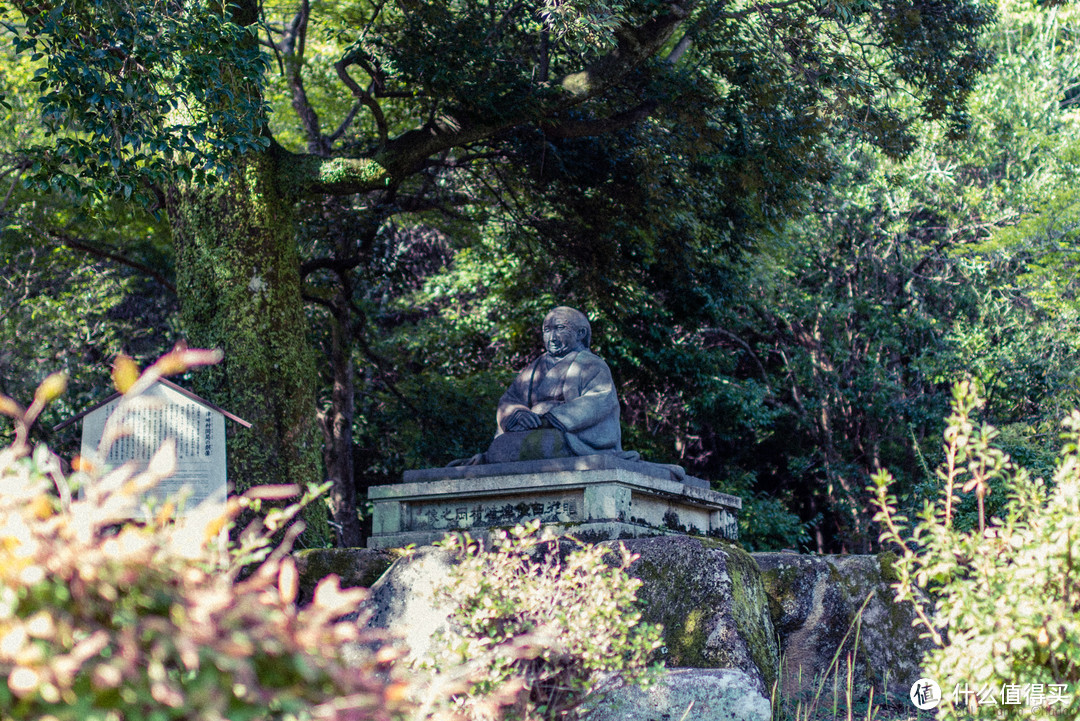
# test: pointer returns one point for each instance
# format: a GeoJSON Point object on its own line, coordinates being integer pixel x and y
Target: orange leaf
{"type": "Point", "coordinates": [396, 692]}
{"type": "Point", "coordinates": [51, 388]}
{"type": "Point", "coordinates": [273, 492]}
{"type": "Point", "coordinates": [124, 373]}
{"type": "Point", "coordinates": [10, 408]}
{"type": "Point", "coordinates": [41, 507]}
{"type": "Point", "coordinates": [81, 463]}
{"type": "Point", "coordinates": [181, 358]}
{"type": "Point", "coordinates": [213, 528]}
{"type": "Point", "coordinates": [165, 513]}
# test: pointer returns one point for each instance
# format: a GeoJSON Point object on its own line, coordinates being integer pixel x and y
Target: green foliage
{"type": "Point", "coordinates": [768, 524]}
{"type": "Point", "coordinates": [908, 273]}
{"type": "Point", "coordinates": [573, 608]}
{"type": "Point", "coordinates": [527, 131]}
{"type": "Point", "coordinates": [998, 600]}
{"type": "Point", "coordinates": [137, 92]}
{"type": "Point", "coordinates": [82, 314]}
{"type": "Point", "coordinates": [79, 285]}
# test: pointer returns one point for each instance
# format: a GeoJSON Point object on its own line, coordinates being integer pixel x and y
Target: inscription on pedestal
{"type": "Point", "coordinates": [481, 512]}
{"type": "Point", "coordinates": [593, 498]}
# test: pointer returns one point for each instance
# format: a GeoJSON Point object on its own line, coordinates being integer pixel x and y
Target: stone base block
{"type": "Point", "coordinates": [682, 694]}
{"type": "Point", "coordinates": [594, 498]}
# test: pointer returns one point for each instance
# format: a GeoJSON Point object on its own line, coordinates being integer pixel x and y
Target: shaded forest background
{"type": "Point", "coordinates": [788, 255]}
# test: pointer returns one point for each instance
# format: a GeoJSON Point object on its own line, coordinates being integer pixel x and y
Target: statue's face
{"type": "Point", "coordinates": [561, 335]}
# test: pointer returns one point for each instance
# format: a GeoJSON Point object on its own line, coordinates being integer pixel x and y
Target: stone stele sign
{"type": "Point", "coordinates": [197, 426]}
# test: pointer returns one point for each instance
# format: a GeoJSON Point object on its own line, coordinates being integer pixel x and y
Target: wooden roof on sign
{"type": "Point", "coordinates": [168, 383]}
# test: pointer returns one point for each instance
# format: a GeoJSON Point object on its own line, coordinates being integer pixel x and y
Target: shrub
{"type": "Point", "coordinates": [102, 618]}
{"type": "Point", "coordinates": [547, 626]}
{"type": "Point", "coordinates": [1001, 600]}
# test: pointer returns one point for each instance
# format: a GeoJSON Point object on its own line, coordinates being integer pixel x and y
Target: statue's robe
{"type": "Point", "coordinates": [576, 395]}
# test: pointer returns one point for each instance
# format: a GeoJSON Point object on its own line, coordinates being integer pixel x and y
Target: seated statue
{"type": "Point", "coordinates": [568, 388]}
{"type": "Point", "coordinates": [562, 404]}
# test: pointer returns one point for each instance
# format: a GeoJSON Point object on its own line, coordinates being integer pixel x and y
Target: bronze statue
{"type": "Point", "coordinates": [562, 404]}
{"type": "Point", "coordinates": [568, 388]}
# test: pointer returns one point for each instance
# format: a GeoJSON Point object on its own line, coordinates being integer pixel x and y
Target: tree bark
{"type": "Point", "coordinates": [239, 288]}
{"type": "Point", "coordinates": [336, 423]}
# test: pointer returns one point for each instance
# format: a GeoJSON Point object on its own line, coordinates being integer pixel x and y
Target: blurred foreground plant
{"type": "Point", "coordinates": [102, 617]}
{"type": "Point", "coordinates": [1001, 602]}
{"type": "Point", "coordinates": [544, 627]}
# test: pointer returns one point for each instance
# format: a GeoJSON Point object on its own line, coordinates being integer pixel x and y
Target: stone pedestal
{"type": "Point", "coordinates": [593, 498]}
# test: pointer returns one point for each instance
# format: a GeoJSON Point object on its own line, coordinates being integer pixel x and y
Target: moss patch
{"type": "Point", "coordinates": [887, 562]}
{"type": "Point", "coordinates": [752, 613]}
{"type": "Point", "coordinates": [684, 632]}
{"type": "Point", "coordinates": [779, 585]}
{"type": "Point", "coordinates": [709, 598]}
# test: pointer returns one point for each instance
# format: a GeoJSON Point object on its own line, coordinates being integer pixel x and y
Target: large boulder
{"type": "Point", "coordinates": [688, 693]}
{"type": "Point", "coordinates": [709, 597]}
{"type": "Point", "coordinates": [707, 594]}
{"type": "Point", "coordinates": [405, 600]}
{"type": "Point", "coordinates": [822, 605]}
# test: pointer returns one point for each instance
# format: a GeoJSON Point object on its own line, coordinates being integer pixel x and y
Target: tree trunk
{"type": "Point", "coordinates": [239, 288]}
{"type": "Point", "coordinates": [336, 422]}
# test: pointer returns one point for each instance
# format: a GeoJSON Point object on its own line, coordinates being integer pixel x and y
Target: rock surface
{"type": "Point", "coordinates": [404, 600]}
{"type": "Point", "coordinates": [708, 595]}
{"type": "Point", "coordinates": [722, 610]}
{"type": "Point", "coordinates": [688, 694]}
{"type": "Point", "coordinates": [710, 599]}
{"type": "Point", "coordinates": [815, 603]}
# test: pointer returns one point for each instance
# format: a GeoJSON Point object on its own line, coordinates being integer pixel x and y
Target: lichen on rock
{"type": "Point", "coordinates": [709, 597]}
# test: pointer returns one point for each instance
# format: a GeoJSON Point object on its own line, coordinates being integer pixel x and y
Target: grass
{"type": "Point", "coordinates": [837, 694]}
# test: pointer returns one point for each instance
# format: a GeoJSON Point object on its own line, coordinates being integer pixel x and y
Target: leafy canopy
{"type": "Point", "coordinates": [134, 92]}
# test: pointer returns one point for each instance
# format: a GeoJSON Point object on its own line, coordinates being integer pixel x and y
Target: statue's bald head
{"type": "Point", "coordinates": [569, 317]}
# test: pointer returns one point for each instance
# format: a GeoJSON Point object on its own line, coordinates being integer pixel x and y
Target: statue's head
{"type": "Point", "coordinates": [566, 330]}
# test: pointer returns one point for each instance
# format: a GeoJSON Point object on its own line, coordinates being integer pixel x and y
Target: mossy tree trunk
{"type": "Point", "coordinates": [239, 287]}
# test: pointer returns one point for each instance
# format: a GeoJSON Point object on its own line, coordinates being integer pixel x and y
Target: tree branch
{"type": "Point", "coordinates": [345, 123]}
{"type": "Point", "coordinates": [463, 160]}
{"type": "Point", "coordinates": [11, 189]}
{"type": "Point", "coordinates": [293, 45]}
{"type": "Point", "coordinates": [681, 47]}
{"type": "Point", "coordinates": [588, 128]}
{"type": "Point", "coordinates": [75, 244]}
{"type": "Point", "coordinates": [421, 203]}
{"type": "Point", "coordinates": [342, 68]}
{"type": "Point", "coordinates": [304, 175]}
{"type": "Point", "coordinates": [635, 45]}
{"type": "Point", "coordinates": [495, 34]}
{"type": "Point", "coordinates": [338, 265]}
{"type": "Point", "coordinates": [748, 349]}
